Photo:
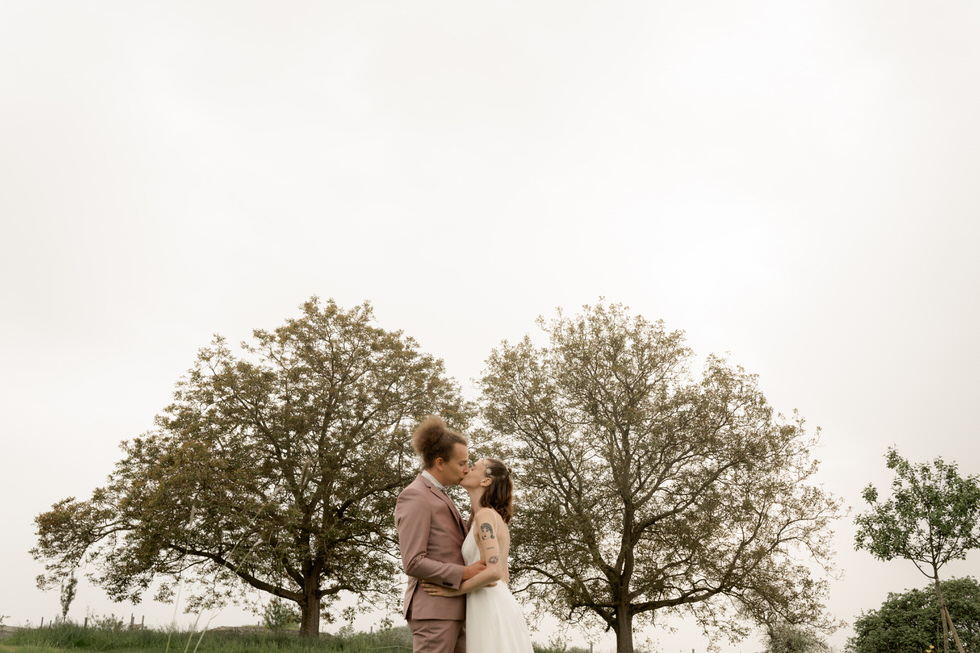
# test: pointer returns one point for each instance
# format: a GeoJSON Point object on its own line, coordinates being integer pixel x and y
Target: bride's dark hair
{"type": "Point", "coordinates": [499, 495]}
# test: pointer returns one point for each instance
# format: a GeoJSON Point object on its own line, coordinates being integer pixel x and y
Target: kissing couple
{"type": "Point", "coordinates": [458, 596]}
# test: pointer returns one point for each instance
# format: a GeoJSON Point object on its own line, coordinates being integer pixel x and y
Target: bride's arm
{"type": "Point", "coordinates": [486, 539]}
{"type": "Point", "coordinates": [486, 536]}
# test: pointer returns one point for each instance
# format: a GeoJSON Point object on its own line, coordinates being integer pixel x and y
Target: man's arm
{"type": "Point", "coordinates": [413, 520]}
{"type": "Point", "coordinates": [493, 566]}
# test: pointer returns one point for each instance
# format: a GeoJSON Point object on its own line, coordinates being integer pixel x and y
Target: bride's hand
{"type": "Point", "coordinates": [438, 590]}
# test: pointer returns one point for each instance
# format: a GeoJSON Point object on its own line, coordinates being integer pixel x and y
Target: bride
{"type": "Point", "coordinates": [494, 621]}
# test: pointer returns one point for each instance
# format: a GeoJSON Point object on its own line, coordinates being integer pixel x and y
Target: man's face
{"type": "Point", "coordinates": [457, 467]}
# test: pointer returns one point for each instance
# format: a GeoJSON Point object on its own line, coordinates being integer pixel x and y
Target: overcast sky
{"type": "Point", "coordinates": [793, 184]}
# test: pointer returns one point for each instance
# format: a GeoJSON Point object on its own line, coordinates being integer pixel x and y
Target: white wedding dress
{"type": "Point", "coordinates": [494, 621]}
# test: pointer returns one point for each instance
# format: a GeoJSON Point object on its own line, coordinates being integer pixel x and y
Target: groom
{"type": "Point", "coordinates": [430, 536]}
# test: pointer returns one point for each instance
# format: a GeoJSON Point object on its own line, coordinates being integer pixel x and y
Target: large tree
{"type": "Point", "coordinates": [276, 467]}
{"type": "Point", "coordinates": [932, 517]}
{"type": "Point", "coordinates": [646, 490]}
{"type": "Point", "coordinates": [910, 622]}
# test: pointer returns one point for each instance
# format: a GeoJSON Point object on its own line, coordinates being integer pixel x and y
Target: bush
{"type": "Point", "coordinates": [557, 645]}
{"type": "Point", "coordinates": [280, 615]}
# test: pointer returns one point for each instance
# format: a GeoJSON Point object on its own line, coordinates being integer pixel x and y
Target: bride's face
{"type": "Point", "coordinates": [477, 473]}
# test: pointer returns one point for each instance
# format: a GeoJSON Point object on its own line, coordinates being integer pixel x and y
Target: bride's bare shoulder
{"type": "Point", "coordinates": [487, 514]}
{"type": "Point", "coordinates": [492, 519]}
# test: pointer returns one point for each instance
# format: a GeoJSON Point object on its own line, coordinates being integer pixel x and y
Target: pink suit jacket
{"type": "Point", "coordinates": [430, 536]}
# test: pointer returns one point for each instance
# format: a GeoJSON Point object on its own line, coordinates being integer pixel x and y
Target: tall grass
{"type": "Point", "coordinates": [103, 637]}
{"type": "Point", "coordinates": [112, 636]}
{"type": "Point", "coordinates": [66, 636]}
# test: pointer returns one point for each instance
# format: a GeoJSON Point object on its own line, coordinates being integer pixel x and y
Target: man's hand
{"type": "Point", "coordinates": [438, 590]}
{"type": "Point", "coordinates": [473, 569]}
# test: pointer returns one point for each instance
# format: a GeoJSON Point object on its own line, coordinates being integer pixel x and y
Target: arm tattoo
{"type": "Point", "coordinates": [493, 560]}
{"type": "Point", "coordinates": [486, 532]}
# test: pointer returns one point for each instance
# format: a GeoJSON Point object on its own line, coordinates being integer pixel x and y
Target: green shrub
{"type": "Point", "coordinates": [280, 615]}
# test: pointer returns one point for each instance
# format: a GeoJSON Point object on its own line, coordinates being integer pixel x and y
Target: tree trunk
{"type": "Point", "coordinates": [952, 628]}
{"type": "Point", "coordinates": [944, 615]}
{"type": "Point", "coordinates": [309, 626]}
{"type": "Point", "coordinates": [624, 629]}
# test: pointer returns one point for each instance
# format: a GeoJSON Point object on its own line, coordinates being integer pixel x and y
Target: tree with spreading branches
{"type": "Point", "coordinates": [647, 490]}
{"type": "Point", "coordinates": [275, 468]}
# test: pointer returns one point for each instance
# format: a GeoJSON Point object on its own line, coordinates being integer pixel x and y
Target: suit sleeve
{"type": "Point", "coordinates": [413, 519]}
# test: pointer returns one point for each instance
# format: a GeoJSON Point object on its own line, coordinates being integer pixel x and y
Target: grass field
{"type": "Point", "coordinates": [115, 638]}
{"type": "Point", "coordinates": [72, 637]}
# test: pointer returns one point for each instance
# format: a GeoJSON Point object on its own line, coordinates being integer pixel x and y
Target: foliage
{"type": "Point", "coordinates": [931, 518]}
{"type": "Point", "coordinates": [790, 638]}
{"type": "Point", "coordinates": [279, 615]}
{"type": "Point", "coordinates": [556, 645]}
{"type": "Point", "coordinates": [644, 489]}
{"type": "Point", "coordinates": [67, 595]}
{"type": "Point", "coordinates": [910, 621]}
{"type": "Point", "coordinates": [277, 467]}
{"type": "Point", "coordinates": [107, 623]}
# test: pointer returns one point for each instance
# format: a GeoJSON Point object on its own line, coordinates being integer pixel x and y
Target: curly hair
{"type": "Point", "coordinates": [499, 495]}
{"type": "Point", "coordinates": [433, 439]}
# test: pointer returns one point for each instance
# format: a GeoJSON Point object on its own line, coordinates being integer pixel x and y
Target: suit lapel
{"type": "Point", "coordinates": [449, 502]}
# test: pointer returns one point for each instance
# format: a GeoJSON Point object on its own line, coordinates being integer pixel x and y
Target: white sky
{"type": "Point", "coordinates": [793, 183]}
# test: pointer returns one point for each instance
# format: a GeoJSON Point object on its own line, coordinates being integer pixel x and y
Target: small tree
{"type": "Point", "coordinates": [276, 467]}
{"type": "Point", "coordinates": [646, 490]}
{"type": "Point", "coordinates": [784, 637]}
{"type": "Point", "coordinates": [279, 614]}
{"type": "Point", "coordinates": [931, 518]}
{"type": "Point", "coordinates": [911, 620]}
{"type": "Point", "coordinates": [67, 596]}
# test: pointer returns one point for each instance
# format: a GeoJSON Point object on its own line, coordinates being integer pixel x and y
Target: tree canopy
{"type": "Point", "coordinates": [645, 489]}
{"type": "Point", "coordinates": [909, 622]}
{"type": "Point", "coordinates": [930, 519]}
{"type": "Point", "coordinates": [277, 466]}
